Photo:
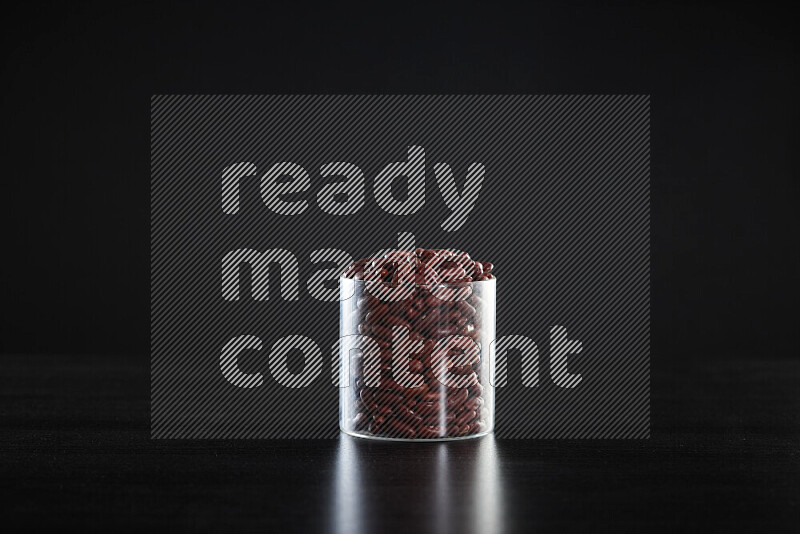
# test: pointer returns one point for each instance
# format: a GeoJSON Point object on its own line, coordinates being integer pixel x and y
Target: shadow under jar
{"type": "Point", "coordinates": [415, 357]}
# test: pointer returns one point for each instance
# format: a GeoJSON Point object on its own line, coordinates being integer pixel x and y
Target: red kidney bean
{"type": "Point", "coordinates": [428, 345]}
{"type": "Point", "coordinates": [466, 417]}
{"type": "Point", "coordinates": [408, 415]}
{"type": "Point", "coordinates": [453, 274]}
{"type": "Point", "coordinates": [429, 318]}
{"type": "Point", "coordinates": [382, 343]}
{"type": "Point", "coordinates": [412, 313]}
{"type": "Point", "coordinates": [460, 430]}
{"type": "Point", "coordinates": [382, 332]}
{"type": "Point", "coordinates": [433, 396]}
{"type": "Point", "coordinates": [462, 369]}
{"type": "Point", "coordinates": [430, 377]}
{"type": "Point", "coordinates": [455, 400]}
{"type": "Point", "coordinates": [477, 427]}
{"type": "Point", "coordinates": [472, 403]}
{"type": "Point", "coordinates": [451, 316]}
{"type": "Point", "coordinates": [433, 301]}
{"type": "Point", "coordinates": [412, 394]}
{"type": "Point", "coordinates": [427, 275]}
{"type": "Point", "coordinates": [415, 366]}
{"type": "Point", "coordinates": [467, 309]}
{"type": "Point", "coordinates": [442, 331]}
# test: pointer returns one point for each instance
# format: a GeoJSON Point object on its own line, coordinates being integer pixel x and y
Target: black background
{"type": "Point", "coordinates": [77, 80]}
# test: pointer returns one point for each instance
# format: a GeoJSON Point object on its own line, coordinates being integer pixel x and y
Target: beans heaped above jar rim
{"type": "Point", "coordinates": [422, 266]}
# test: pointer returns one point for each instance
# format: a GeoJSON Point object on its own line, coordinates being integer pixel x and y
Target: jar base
{"type": "Point", "coordinates": [415, 440]}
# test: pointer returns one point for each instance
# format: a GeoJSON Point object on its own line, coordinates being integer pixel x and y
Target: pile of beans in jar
{"type": "Point", "coordinates": [434, 319]}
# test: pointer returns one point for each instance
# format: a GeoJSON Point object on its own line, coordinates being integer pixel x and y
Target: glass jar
{"type": "Point", "coordinates": [416, 361]}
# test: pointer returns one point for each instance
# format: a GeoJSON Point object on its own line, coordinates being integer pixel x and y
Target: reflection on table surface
{"type": "Point", "coordinates": [439, 487]}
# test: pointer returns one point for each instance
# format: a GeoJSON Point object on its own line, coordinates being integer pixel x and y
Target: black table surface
{"type": "Point", "coordinates": [75, 451]}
